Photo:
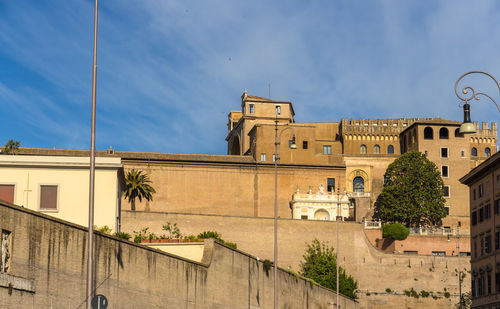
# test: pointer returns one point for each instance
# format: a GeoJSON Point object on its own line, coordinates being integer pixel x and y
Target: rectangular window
{"type": "Point", "coordinates": [327, 149]}
{"type": "Point", "coordinates": [48, 197]}
{"type": "Point", "coordinates": [481, 243]}
{"type": "Point", "coordinates": [475, 248]}
{"type": "Point", "coordinates": [474, 218]}
{"type": "Point", "coordinates": [330, 184]}
{"type": "Point", "coordinates": [446, 191]}
{"type": "Point", "coordinates": [7, 193]}
{"type": "Point", "coordinates": [278, 110]}
{"type": "Point", "coordinates": [497, 206]}
{"type": "Point", "coordinates": [489, 283]}
{"type": "Point", "coordinates": [444, 152]}
{"type": "Point", "coordinates": [263, 157]}
{"type": "Point", "coordinates": [462, 153]}
{"type": "Point", "coordinates": [487, 244]}
{"type": "Point", "coordinates": [497, 282]}
{"type": "Point", "coordinates": [251, 108]}
{"type": "Point", "coordinates": [274, 158]}
{"type": "Point", "coordinates": [410, 252]}
{"type": "Point", "coordinates": [481, 215]}
{"type": "Point", "coordinates": [474, 194]}
{"type": "Point", "coordinates": [487, 211]}
{"type": "Point", "coordinates": [447, 209]}
{"type": "Point", "coordinates": [444, 171]}
{"type": "Point", "coordinates": [439, 253]}
{"type": "Point", "coordinates": [464, 253]}
{"type": "Point", "coordinates": [480, 190]}
{"type": "Point", "coordinates": [497, 240]}
{"type": "Point", "coordinates": [304, 217]}
{"type": "Point", "coordinates": [5, 251]}
{"type": "Point", "coordinates": [304, 145]}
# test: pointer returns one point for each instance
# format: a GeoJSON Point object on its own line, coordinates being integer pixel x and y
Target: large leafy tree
{"type": "Point", "coordinates": [137, 185]}
{"type": "Point", "coordinates": [413, 192]}
{"type": "Point", "coordinates": [320, 262]}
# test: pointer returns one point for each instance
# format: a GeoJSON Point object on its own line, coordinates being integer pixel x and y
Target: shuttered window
{"type": "Point", "coordinates": [48, 197]}
{"type": "Point", "coordinates": [7, 193]}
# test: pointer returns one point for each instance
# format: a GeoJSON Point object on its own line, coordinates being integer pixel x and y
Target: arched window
{"type": "Point", "coordinates": [362, 149]}
{"type": "Point", "coordinates": [487, 151]}
{"type": "Point", "coordinates": [428, 133]}
{"type": "Point", "coordinates": [457, 133]}
{"type": "Point", "coordinates": [443, 133]}
{"type": "Point", "coordinates": [473, 152]}
{"type": "Point", "coordinates": [390, 149]}
{"type": "Point", "coordinates": [376, 149]}
{"type": "Point", "coordinates": [358, 184]}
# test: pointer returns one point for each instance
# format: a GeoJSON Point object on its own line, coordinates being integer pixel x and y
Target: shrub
{"type": "Point", "coordinates": [218, 237]}
{"type": "Point", "coordinates": [141, 235]}
{"type": "Point", "coordinates": [388, 290]}
{"type": "Point", "coordinates": [123, 235]}
{"type": "Point", "coordinates": [105, 229]}
{"type": "Point", "coordinates": [396, 231]}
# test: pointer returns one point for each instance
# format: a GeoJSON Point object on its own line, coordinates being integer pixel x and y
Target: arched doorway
{"type": "Point", "coordinates": [321, 214]}
{"type": "Point", "coordinates": [358, 184]}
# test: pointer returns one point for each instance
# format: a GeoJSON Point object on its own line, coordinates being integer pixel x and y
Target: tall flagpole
{"type": "Point", "coordinates": [90, 249]}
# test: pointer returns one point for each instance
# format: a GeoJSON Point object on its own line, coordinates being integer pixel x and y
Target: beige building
{"type": "Point", "coordinates": [364, 146]}
{"type": "Point", "coordinates": [484, 196]}
{"type": "Point", "coordinates": [59, 186]}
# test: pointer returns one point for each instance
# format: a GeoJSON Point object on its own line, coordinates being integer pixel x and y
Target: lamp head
{"type": "Point", "coordinates": [293, 145]}
{"type": "Point", "coordinates": [467, 126]}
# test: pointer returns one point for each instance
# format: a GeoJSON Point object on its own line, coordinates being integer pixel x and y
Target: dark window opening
{"type": "Point", "coordinates": [481, 215]}
{"type": "Point", "coordinates": [444, 152]}
{"type": "Point", "coordinates": [446, 191]}
{"type": "Point", "coordinates": [474, 218]}
{"type": "Point", "coordinates": [444, 171]}
{"type": "Point", "coordinates": [487, 211]}
{"type": "Point", "coordinates": [487, 151]}
{"type": "Point", "coordinates": [443, 133]}
{"type": "Point", "coordinates": [390, 149]}
{"type": "Point", "coordinates": [428, 133]}
{"type": "Point", "coordinates": [304, 145]}
{"type": "Point", "coordinates": [473, 152]}
{"type": "Point", "coordinates": [330, 184]}
{"type": "Point", "coordinates": [251, 108]}
{"type": "Point", "coordinates": [457, 133]}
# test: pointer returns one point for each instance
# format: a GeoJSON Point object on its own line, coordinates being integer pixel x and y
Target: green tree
{"type": "Point", "coordinates": [396, 231]}
{"type": "Point", "coordinates": [11, 147]}
{"type": "Point", "coordinates": [413, 192]}
{"type": "Point", "coordinates": [137, 185]}
{"type": "Point", "coordinates": [320, 262]}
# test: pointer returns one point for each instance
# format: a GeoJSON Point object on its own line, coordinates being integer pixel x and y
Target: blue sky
{"type": "Point", "coordinates": [170, 71]}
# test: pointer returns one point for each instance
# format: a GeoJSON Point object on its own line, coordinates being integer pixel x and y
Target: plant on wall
{"type": "Point", "coordinates": [11, 147]}
{"type": "Point", "coordinates": [320, 265]}
{"type": "Point", "coordinates": [137, 185]}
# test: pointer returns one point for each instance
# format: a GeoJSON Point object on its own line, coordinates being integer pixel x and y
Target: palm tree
{"type": "Point", "coordinates": [136, 186]}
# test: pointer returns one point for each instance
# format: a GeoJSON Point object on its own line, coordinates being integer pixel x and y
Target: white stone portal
{"type": "Point", "coordinates": [320, 205]}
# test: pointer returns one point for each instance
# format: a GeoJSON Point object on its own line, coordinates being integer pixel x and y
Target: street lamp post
{"type": "Point", "coordinates": [470, 93]}
{"type": "Point", "coordinates": [338, 244]}
{"type": "Point", "coordinates": [90, 242]}
{"type": "Point", "coordinates": [277, 139]}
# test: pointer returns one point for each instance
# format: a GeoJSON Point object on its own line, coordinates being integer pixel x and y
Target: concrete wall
{"type": "Point", "coordinates": [48, 270]}
{"type": "Point", "coordinates": [375, 271]}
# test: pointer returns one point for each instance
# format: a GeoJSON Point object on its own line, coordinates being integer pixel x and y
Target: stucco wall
{"type": "Point", "coordinates": [48, 270]}
{"type": "Point", "coordinates": [374, 270]}
{"type": "Point", "coordinates": [71, 175]}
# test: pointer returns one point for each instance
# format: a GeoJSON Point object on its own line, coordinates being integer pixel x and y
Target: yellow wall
{"type": "Point", "coordinates": [71, 175]}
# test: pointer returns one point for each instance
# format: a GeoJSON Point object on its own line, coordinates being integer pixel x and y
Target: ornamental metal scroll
{"type": "Point", "coordinates": [470, 93]}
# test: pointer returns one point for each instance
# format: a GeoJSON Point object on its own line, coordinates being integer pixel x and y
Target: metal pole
{"type": "Point", "coordinates": [338, 245]}
{"type": "Point", "coordinates": [459, 270]}
{"type": "Point", "coordinates": [90, 251]}
{"type": "Point", "coordinates": [276, 213]}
